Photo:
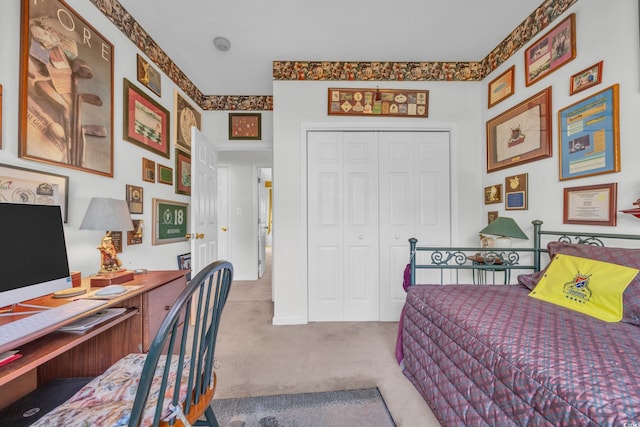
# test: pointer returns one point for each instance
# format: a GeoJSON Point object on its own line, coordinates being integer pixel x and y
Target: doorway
{"type": "Point", "coordinates": [265, 186]}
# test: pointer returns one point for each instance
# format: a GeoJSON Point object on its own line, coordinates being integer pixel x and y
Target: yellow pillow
{"type": "Point", "coordinates": [591, 287]}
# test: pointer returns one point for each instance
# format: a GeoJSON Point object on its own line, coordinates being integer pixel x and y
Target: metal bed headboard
{"type": "Point", "coordinates": [504, 260]}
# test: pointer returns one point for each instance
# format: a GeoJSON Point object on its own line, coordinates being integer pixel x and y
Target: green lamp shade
{"type": "Point", "coordinates": [504, 227]}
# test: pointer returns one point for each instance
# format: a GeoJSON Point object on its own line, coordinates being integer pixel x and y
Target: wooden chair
{"type": "Point", "coordinates": [174, 383]}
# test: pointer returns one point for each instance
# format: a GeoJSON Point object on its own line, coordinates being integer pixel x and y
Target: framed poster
{"type": "Point", "coordinates": [148, 76]}
{"type": "Point", "coordinates": [28, 186]}
{"type": "Point", "coordinates": [502, 87]}
{"type": "Point", "coordinates": [170, 221]}
{"type": "Point", "coordinates": [135, 199]}
{"type": "Point", "coordinates": [551, 51]}
{"type": "Point", "coordinates": [515, 192]}
{"type": "Point", "coordinates": [245, 126]}
{"type": "Point", "coordinates": [378, 102]}
{"type": "Point", "coordinates": [492, 216]}
{"type": "Point", "coordinates": [521, 134]}
{"type": "Point", "coordinates": [493, 194]}
{"type": "Point", "coordinates": [145, 122]}
{"type": "Point", "coordinates": [165, 174]}
{"type": "Point", "coordinates": [586, 78]}
{"type": "Point", "coordinates": [186, 116]}
{"type": "Point", "coordinates": [589, 136]}
{"type": "Point", "coordinates": [591, 204]}
{"type": "Point", "coordinates": [66, 89]}
{"type": "Point", "coordinates": [183, 173]}
{"type": "Point", "coordinates": [148, 170]}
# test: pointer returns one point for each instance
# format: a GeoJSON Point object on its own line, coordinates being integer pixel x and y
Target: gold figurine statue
{"type": "Point", "coordinates": [109, 258]}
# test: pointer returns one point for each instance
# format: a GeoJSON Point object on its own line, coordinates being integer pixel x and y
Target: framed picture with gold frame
{"type": "Point", "coordinates": [135, 199]}
{"type": "Point", "coordinates": [589, 135]}
{"type": "Point", "coordinates": [165, 174]}
{"type": "Point", "coordinates": [515, 192]}
{"type": "Point", "coordinates": [521, 134]}
{"type": "Point", "coordinates": [591, 204]}
{"type": "Point", "coordinates": [145, 121]}
{"type": "Point", "coordinates": [501, 87]}
{"type": "Point", "coordinates": [170, 221]}
{"type": "Point", "coordinates": [551, 51]}
{"type": "Point", "coordinates": [148, 170]}
{"type": "Point", "coordinates": [186, 116]}
{"type": "Point", "coordinates": [58, 123]}
{"type": "Point", "coordinates": [149, 76]}
{"type": "Point", "coordinates": [183, 173]}
{"type": "Point", "coordinates": [493, 194]}
{"type": "Point", "coordinates": [589, 77]}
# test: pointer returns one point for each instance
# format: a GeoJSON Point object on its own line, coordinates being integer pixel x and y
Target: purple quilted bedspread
{"type": "Point", "coordinates": [492, 356]}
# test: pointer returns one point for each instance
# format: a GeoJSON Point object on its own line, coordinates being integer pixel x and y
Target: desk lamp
{"type": "Point", "coordinates": [505, 228]}
{"type": "Point", "coordinates": [107, 214]}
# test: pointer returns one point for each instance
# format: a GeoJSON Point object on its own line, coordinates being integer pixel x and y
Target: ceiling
{"type": "Point", "coordinates": [261, 31]}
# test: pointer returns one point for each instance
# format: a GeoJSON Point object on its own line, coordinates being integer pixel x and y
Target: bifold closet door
{"type": "Point", "coordinates": [414, 202]}
{"type": "Point", "coordinates": [342, 186]}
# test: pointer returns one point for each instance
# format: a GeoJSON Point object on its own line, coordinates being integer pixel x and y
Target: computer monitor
{"type": "Point", "coordinates": [33, 253]}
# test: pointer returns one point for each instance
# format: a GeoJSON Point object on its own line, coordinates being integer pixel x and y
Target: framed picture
{"type": "Point", "coordinates": [502, 86]}
{"type": "Point", "coordinates": [186, 116]}
{"type": "Point", "coordinates": [183, 173]}
{"type": "Point", "coordinates": [591, 204]}
{"type": "Point", "coordinates": [28, 186]}
{"type": "Point", "coordinates": [145, 122]}
{"type": "Point", "coordinates": [521, 134]}
{"type": "Point", "coordinates": [378, 102]}
{"type": "Point", "coordinates": [134, 237]}
{"type": "Point", "coordinates": [66, 89]}
{"type": "Point", "coordinates": [184, 261]}
{"type": "Point", "coordinates": [149, 76]}
{"type": "Point", "coordinates": [135, 199]}
{"type": "Point", "coordinates": [148, 170]}
{"type": "Point", "coordinates": [551, 51]}
{"type": "Point", "coordinates": [515, 192]}
{"type": "Point", "coordinates": [493, 194]}
{"type": "Point", "coordinates": [586, 78]}
{"type": "Point", "coordinates": [492, 216]}
{"type": "Point", "coordinates": [245, 126]}
{"type": "Point", "coordinates": [170, 221]}
{"type": "Point", "coordinates": [589, 136]}
{"type": "Point", "coordinates": [165, 174]}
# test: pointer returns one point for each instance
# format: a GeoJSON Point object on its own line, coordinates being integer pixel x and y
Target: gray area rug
{"type": "Point", "coordinates": [347, 408]}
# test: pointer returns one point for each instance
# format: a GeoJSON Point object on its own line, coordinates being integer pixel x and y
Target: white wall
{"type": "Point", "coordinates": [83, 255]}
{"type": "Point", "coordinates": [604, 31]}
{"type": "Point", "coordinates": [453, 106]}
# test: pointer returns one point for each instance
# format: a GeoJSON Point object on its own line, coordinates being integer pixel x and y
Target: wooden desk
{"type": "Point", "coordinates": [52, 354]}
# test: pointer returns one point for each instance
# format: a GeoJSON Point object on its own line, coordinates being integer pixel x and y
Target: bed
{"type": "Point", "coordinates": [492, 355]}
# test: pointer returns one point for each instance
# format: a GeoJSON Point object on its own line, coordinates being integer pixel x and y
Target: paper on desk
{"type": "Point", "coordinates": [92, 294]}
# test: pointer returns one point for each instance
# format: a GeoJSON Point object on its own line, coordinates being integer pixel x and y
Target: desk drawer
{"type": "Point", "coordinates": [159, 302]}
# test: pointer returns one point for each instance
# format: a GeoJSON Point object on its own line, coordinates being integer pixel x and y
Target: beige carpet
{"type": "Point", "coordinates": [259, 359]}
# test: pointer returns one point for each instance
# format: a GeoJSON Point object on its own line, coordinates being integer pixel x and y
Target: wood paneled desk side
{"type": "Point", "coordinates": [70, 354]}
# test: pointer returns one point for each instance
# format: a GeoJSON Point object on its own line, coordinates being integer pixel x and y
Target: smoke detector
{"type": "Point", "coordinates": [222, 43]}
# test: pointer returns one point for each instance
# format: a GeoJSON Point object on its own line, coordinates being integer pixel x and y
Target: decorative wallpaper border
{"type": "Point", "coordinates": [537, 21]}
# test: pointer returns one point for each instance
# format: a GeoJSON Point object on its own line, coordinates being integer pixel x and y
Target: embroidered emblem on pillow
{"type": "Point", "coordinates": [578, 289]}
{"type": "Point", "coordinates": [591, 287]}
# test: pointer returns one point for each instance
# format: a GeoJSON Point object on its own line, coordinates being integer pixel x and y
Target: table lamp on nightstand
{"type": "Point", "coordinates": [505, 228]}
{"type": "Point", "coordinates": [107, 214]}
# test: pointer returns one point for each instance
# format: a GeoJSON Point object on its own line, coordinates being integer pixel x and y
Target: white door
{"type": "Point", "coordinates": [343, 279]}
{"type": "Point", "coordinates": [414, 202]}
{"type": "Point", "coordinates": [224, 227]}
{"type": "Point", "coordinates": [204, 187]}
